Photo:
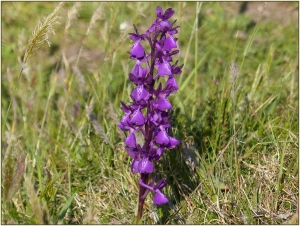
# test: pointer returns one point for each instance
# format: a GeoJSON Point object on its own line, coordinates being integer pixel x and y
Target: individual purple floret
{"type": "Point", "coordinates": [149, 112]}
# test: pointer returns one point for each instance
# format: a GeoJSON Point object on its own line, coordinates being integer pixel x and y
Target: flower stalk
{"type": "Point", "coordinates": [150, 110]}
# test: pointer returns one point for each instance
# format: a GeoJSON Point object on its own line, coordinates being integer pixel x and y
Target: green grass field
{"type": "Point", "coordinates": [235, 113]}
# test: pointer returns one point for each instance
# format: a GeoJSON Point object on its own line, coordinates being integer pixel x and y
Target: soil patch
{"type": "Point", "coordinates": [281, 12]}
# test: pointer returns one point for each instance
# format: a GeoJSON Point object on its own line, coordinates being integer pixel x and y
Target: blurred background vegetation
{"type": "Point", "coordinates": [235, 113]}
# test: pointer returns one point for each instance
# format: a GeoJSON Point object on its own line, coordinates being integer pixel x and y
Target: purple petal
{"type": "Point", "coordinates": [177, 70]}
{"type": "Point", "coordinates": [159, 11]}
{"type": "Point", "coordinates": [160, 184]}
{"type": "Point", "coordinates": [159, 151]}
{"type": "Point", "coordinates": [134, 166]}
{"type": "Point", "coordinates": [158, 50]}
{"type": "Point", "coordinates": [132, 152]}
{"type": "Point", "coordinates": [134, 37]}
{"type": "Point", "coordinates": [145, 185]}
{"type": "Point", "coordinates": [173, 84]}
{"type": "Point", "coordinates": [155, 118]}
{"type": "Point", "coordinates": [124, 122]}
{"type": "Point", "coordinates": [167, 58]}
{"type": "Point", "coordinates": [138, 117]}
{"type": "Point", "coordinates": [172, 31]}
{"type": "Point", "coordinates": [137, 75]}
{"type": "Point", "coordinates": [137, 50]}
{"type": "Point", "coordinates": [145, 166]}
{"type": "Point", "coordinates": [169, 12]}
{"type": "Point", "coordinates": [164, 104]}
{"type": "Point", "coordinates": [173, 142]}
{"type": "Point", "coordinates": [164, 69]}
{"type": "Point", "coordinates": [151, 29]}
{"type": "Point", "coordinates": [125, 118]}
{"type": "Point", "coordinates": [135, 70]}
{"type": "Point", "coordinates": [130, 140]}
{"type": "Point", "coordinates": [140, 93]}
{"type": "Point", "coordinates": [174, 52]}
{"type": "Point", "coordinates": [164, 24]}
{"type": "Point", "coordinates": [124, 107]}
{"type": "Point", "coordinates": [160, 198]}
{"type": "Point", "coordinates": [124, 127]}
{"type": "Point", "coordinates": [170, 43]}
{"type": "Point", "coordinates": [138, 71]}
{"type": "Point", "coordinates": [162, 137]}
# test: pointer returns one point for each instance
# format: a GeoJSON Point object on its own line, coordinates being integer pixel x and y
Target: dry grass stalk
{"type": "Point", "coordinates": [13, 166]}
{"type": "Point", "coordinates": [112, 113]}
{"type": "Point", "coordinates": [96, 16]}
{"type": "Point", "coordinates": [72, 15]}
{"type": "Point", "coordinates": [17, 176]}
{"type": "Point", "coordinates": [34, 201]}
{"type": "Point", "coordinates": [7, 172]}
{"type": "Point", "coordinates": [80, 79]}
{"type": "Point", "coordinates": [41, 33]}
{"type": "Point", "coordinates": [234, 74]}
{"type": "Point", "coordinates": [91, 215]}
{"type": "Point", "coordinates": [21, 46]}
{"type": "Point", "coordinates": [96, 125]}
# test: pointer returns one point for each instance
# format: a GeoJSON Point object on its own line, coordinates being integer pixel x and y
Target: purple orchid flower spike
{"type": "Point", "coordinates": [150, 110]}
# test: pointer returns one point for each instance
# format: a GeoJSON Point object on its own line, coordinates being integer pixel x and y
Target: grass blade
{"type": "Point", "coordinates": [63, 211]}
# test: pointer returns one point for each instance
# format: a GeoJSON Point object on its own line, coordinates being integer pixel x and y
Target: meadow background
{"type": "Point", "coordinates": [236, 114]}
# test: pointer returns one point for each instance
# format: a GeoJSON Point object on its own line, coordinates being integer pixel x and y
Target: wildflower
{"type": "Point", "coordinates": [150, 110]}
